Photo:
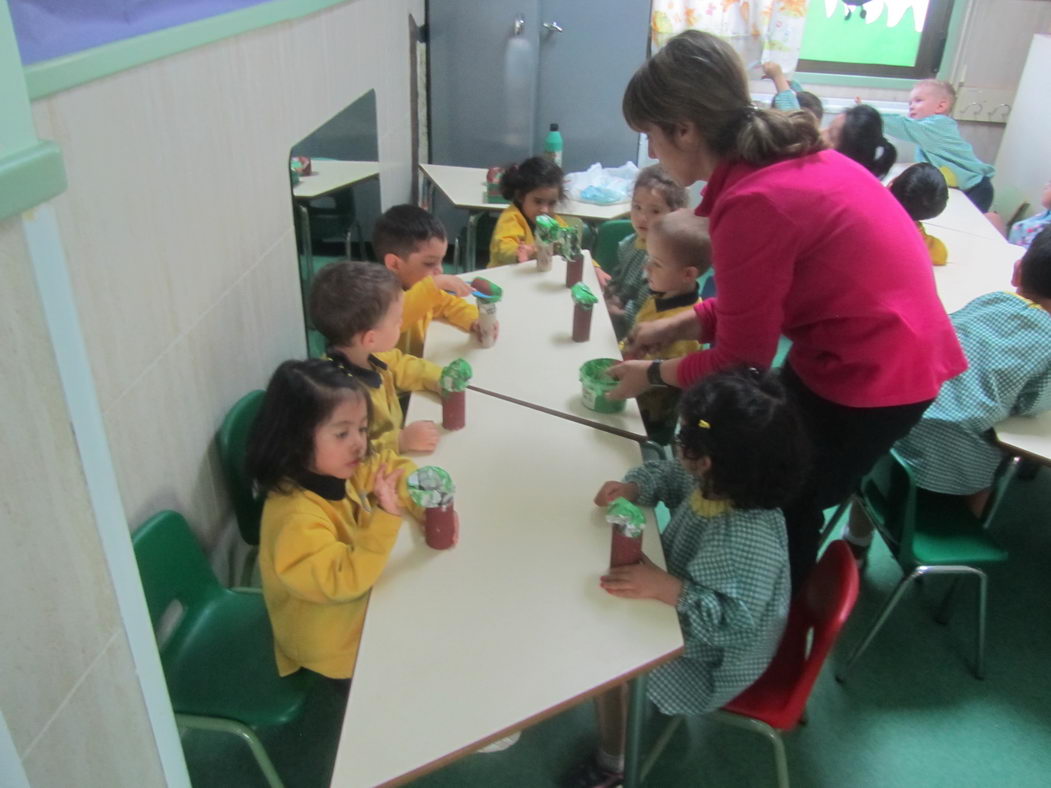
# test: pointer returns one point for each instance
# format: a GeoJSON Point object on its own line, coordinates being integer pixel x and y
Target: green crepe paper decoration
{"type": "Point", "coordinates": [431, 487]}
{"type": "Point", "coordinates": [583, 296]}
{"type": "Point", "coordinates": [571, 239]}
{"type": "Point", "coordinates": [490, 292]}
{"type": "Point", "coordinates": [456, 376]}
{"type": "Point", "coordinates": [626, 517]}
{"type": "Point", "coordinates": [547, 229]}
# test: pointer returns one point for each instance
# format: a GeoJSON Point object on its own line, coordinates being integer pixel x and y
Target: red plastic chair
{"type": "Point", "coordinates": [777, 701]}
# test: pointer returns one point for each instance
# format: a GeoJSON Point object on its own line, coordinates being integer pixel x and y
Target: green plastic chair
{"type": "Point", "coordinates": [930, 533]}
{"type": "Point", "coordinates": [218, 654]}
{"type": "Point", "coordinates": [610, 234]}
{"type": "Point", "coordinates": [248, 507]}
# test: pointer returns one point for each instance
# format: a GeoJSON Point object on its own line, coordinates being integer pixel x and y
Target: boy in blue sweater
{"type": "Point", "coordinates": [938, 140]}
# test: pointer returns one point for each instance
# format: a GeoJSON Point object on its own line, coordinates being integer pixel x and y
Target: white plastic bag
{"type": "Point", "coordinates": [602, 186]}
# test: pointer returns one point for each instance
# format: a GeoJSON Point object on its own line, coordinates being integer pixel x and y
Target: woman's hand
{"type": "Point", "coordinates": [611, 491]}
{"type": "Point", "coordinates": [653, 335]}
{"type": "Point", "coordinates": [644, 580]}
{"type": "Point", "coordinates": [421, 436]}
{"type": "Point", "coordinates": [453, 284]}
{"type": "Point", "coordinates": [385, 489]}
{"type": "Point", "coordinates": [632, 377]}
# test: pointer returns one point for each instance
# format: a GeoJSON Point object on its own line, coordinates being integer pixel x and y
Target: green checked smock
{"type": "Point", "coordinates": [1007, 341]}
{"type": "Point", "coordinates": [629, 282]}
{"type": "Point", "coordinates": [734, 602]}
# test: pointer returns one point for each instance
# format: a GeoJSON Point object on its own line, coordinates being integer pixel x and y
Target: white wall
{"type": "Point", "coordinates": [178, 235]}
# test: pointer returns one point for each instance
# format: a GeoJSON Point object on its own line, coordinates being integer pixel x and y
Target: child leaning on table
{"type": "Point", "coordinates": [332, 513]}
{"type": "Point", "coordinates": [654, 195]}
{"type": "Point", "coordinates": [1024, 231]}
{"type": "Point", "coordinates": [742, 453]}
{"type": "Point", "coordinates": [534, 187]}
{"type": "Point", "coordinates": [1007, 339]}
{"type": "Point", "coordinates": [938, 141]}
{"type": "Point", "coordinates": [680, 251]}
{"type": "Point", "coordinates": [923, 193]}
{"type": "Point", "coordinates": [411, 243]}
{"type": "Point", "coordinates": [358, 307]}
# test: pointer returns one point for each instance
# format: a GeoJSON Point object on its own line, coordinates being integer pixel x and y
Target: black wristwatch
{"type": "Point", "coordinates": [653, 374]}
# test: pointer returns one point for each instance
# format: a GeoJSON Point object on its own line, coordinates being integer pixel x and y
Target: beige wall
{"type": "Point", "coordinates": [178, 229]}
{"type": "Point", "coordinates": [178, 236]}
{"type": "Point", "coordinates": [67, 684]}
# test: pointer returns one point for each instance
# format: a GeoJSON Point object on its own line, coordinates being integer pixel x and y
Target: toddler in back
{"type": "Point", "coordinates": [938, 139]}
{"type": "Point", "coordinates": [1023, 232]}
{"type": "Point", "coordinates": [534, 187]}
{"type": "Point", "coordinates": [654, 195]}
{"type": "Point", "coordinates": [922, 192]}
{"type": "Point", "coordinates": [411, 243]}
{"type": "Point", "coordinates": [680, 251]}
{"type": "Point", "coordinates": [1007, 339]}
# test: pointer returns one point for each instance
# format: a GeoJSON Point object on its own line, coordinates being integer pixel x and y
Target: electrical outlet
{"type": "Point", "coordinates": [983, 105]}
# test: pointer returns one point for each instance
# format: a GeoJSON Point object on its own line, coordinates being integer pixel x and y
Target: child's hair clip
{"type": "Point", "coordinates": [704, 425]}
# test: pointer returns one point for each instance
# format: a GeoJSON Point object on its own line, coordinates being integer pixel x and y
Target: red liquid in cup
{"type": "Point", "coordinates": [574, 271]}
{"type": "Point", "coordinates": [624, 550]}
{"type": "Point", "coordinates": [581, 323]}
{"type": "Point", "coordinates": [454, 409]}
{"type": "Point", "coordinates": [440, 527]}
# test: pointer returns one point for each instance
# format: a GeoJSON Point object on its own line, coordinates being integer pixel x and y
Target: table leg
{"type": "Point", "coordinates": [472, 241]}
{"type": "Point", "coordinates": [636, 720]}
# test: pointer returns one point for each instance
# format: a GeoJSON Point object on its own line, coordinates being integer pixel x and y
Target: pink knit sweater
{"type": "Point", "coordinates": [817, 249]}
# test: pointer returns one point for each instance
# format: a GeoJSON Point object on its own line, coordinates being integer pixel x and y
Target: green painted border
{"type": "Point", "coordinates": [30, 176]}
{"type": "Point", "coordinates": [62, 73]}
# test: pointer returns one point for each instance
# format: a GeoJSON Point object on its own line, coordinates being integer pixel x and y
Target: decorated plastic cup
{"type": "Point", "coordinates": [628, 523]}
{"type": "Point", "coordinates": [432, 488]}
{"type": "Point", "coordinates": [453, 384]}
{"type": "Point", "coordinates": [596, 384]}
{"type": "Point", "coordinates": [583, 305]}
{"type": "Point", "coordinates": [487, 296]}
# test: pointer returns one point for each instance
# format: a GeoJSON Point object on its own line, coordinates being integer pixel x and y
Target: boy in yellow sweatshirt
{"type": "Point", "coordinates": [412, 244]}
{"type": "Point", "coordinates": [357, 307]}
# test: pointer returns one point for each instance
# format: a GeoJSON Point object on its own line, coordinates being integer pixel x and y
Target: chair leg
{"type": "Point", "coordinates": [827, 528]}
{"type": "Point", "coordinates": [758, 726]}
{"type": "Point", "coordinates": [236, 728]}
{"type": "Point", "coordinates": [249, 565]}
{"type": "Point", "coordinates": [659, 746]}
{"type": "Point", "coordinates": [884, 614]}
{"type": "Point", "coordinates": [979, 653]}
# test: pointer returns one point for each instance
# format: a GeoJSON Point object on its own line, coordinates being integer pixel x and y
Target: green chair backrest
{"type": "Point", "coordinates": [233, 441]}
{"type": "Point", "coordinates": [888, 498]}
{"type": "Point", "coordinates": [610, 234]}
{"type": "Point", "coordinates": [172, 566]}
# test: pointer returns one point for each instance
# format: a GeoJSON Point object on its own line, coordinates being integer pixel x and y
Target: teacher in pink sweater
{"type": "Point", "coordinates": [805, 243]}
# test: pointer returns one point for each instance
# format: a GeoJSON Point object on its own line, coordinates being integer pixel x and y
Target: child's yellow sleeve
{"type": "Point", "coordinates": [364, 478]}
{"type": "Point", "coordinates": [458, 311]}
{"type": "Point", "coordinates": [510, 231]}
{"type": "Point", "coordinates": [315, 566]}
{"type": "Point", "coordinates": [411, 373]}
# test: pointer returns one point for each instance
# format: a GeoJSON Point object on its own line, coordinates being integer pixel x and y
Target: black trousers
{"type": "Point", "coordinates": [846, 443]}
{"type": "Point", "coordinates": [981, 194]}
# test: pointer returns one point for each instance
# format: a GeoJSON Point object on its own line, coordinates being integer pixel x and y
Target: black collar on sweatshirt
{"type": "Point", "coordinates": [328, 487]}
{"type": "Point", "coordinates": [683, 299]}
{"type": "Point", "coordinates": [367, 375]}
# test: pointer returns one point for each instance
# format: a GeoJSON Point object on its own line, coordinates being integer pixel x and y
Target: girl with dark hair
{"type": "Point", "coordinates": [534, 187]}
{"type": "Point", "coordinates": [805, 244]}
{"type": "Point", "coordinates": [742, 454]}
{"type": "Point", "coordinates": [331, 517]}
{"type": "Point", "coordinates": [857, 133]}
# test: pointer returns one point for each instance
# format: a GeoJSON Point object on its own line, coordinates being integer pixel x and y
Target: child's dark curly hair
{"type": "Point", "coordinates": [533, 173]}
{"type": "Point", "coordinates": [742, 421]}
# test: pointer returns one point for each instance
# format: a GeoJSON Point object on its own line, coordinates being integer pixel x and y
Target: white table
{"type": "Point", "coordinates": [535, 361]}
{"type": "Point", "coordinates": [328, 175]}
{"type": "Point", "coordinates": [1027, 435]}
{"type": "Point", "coordinates": [962, 215]}
{"type": "Point", "coordinates": [461, 647]}
{"type": "Point", "coordinates": [977, 265]}
{"type": "Point", "coordinates": [465, 188]}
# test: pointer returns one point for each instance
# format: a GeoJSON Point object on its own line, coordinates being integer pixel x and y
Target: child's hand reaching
{"type": "Point", "coordinates": [476, 329]}
{"type": "Point", "coordinates": [772, 70]}
{"type": "Point", "coordinates": [603, 278]}
{"type": "Point", "coordinates": [453, 284]}
{"type": "Point", "coordinates": [642, 581]}
{"type": "Point", "coordinates": [421, 436]}
{"type": "Point", "coordinates": [385, 488]}
{"type": "Point", "coordinates": [526, 252]}
{"type": "Point", "coordinates": [611, 491]}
